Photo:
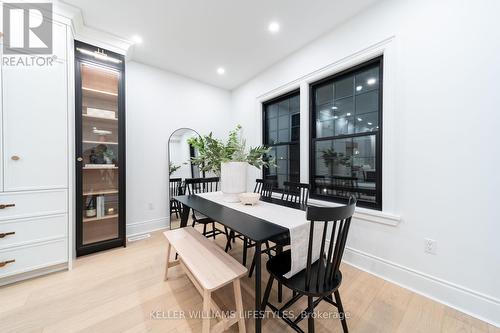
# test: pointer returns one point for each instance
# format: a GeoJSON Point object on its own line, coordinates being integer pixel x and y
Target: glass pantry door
{"type": "Point", "coordinates": [99, 153]}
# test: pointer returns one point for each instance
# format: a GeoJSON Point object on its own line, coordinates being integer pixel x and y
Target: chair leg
{"type": "Point", "coordinates": [228, 243]}
{"type": "Point", "coordinates": [176, 210]}
{"type": "Point", "coordinates": [206, 312]}
{"type": "Point", "coordinates": [310, 319]}
{"type": "Point", "coordinates": [267, 292]}
{"type": "Point", "coordinates": [343, 320]}
{"type": "Point", "coordinates": [167, 261]}
{"type": "Point", "coordinates": [279, 249]}
{"type": "Point", "coordinates": [230, 235]}
{"type": "Point", "coordinates": [245, 249]}
{"type": "Point", "coordinates": [204, 229]}
{"type": "Point", "coordinates": [239, 305]}
{"type": "Point", "coordinates": [213, 229]}
{"type": "Point", "coordinates": [252, 267]}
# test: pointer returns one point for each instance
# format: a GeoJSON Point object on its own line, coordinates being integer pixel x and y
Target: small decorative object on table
{"type": "Point", "coordinates": [249, 198]}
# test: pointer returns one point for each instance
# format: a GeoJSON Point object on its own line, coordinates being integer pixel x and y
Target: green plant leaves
{"type": "Point", "coordinates": [213, 152]}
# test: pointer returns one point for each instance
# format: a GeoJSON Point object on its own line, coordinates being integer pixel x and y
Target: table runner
{"type": "Point", "coordinates": [292, 219]}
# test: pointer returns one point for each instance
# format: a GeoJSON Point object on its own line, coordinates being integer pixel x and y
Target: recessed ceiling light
{"type": "Point", "coordinates": [274, 27]}
{"type": "Point", "coordinates": [334, 108]}
{"type": "Point", "coordinates": [360, 119]}
{"type": "Point", "coordinates": [370, 124]}
{"type": "Point", "coordinates": [137, 39]}
{"type": "Point", "coordinates": [371, 81]}
{"type": "Point", "coordinates": [358, 88]}
{"type": "Point", "coordinates": [348, 114]}
{"type": "Point", "coordinates": [221, 71]}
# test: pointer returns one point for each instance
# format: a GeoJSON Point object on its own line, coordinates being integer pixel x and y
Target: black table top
{"type": "Point", "coordinates": [280, 202]}
{"type": "Point", "coordinates": [255, 228]}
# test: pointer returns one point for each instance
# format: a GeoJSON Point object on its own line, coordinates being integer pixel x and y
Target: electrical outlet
{"type": "Point", "coordinates": [430, 246]}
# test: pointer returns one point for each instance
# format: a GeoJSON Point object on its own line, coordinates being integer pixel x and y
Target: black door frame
{"type": "Point", "coordinates": [80, 59]}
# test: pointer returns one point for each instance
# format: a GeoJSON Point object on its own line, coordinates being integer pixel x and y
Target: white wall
{"type": "Point", "coordinates": [444, 110]}
{"type": "Point", "coordinates": [158, 103]}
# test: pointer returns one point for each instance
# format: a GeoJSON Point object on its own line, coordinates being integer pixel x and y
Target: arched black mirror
{"type": "Point", "coordinates": [180, 168]}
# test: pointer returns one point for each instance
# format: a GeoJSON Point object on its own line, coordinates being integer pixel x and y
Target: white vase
{"type": "Point", "coordinates": [233, 180]}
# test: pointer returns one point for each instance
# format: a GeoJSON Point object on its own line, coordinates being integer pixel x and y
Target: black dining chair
{"type": "Point", "coordinates": [204, 185]}
{"type": "Point", "coordinates": [296, 192]}
{"type": "Point", "coordinates": [293, 193]}
{"type": "Point", "coordinates": [265, 188]}
{"type": "Point", "coordinates": [320, 279]}
{"type": "Point", "coordinates": [175, 189]}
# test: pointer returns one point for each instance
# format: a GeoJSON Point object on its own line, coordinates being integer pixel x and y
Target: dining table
{"type": "Point", "coordinates": [257, 229]}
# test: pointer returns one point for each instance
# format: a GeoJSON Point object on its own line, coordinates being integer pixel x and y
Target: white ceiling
{"type": "Point", "coordinates": [195, 37]}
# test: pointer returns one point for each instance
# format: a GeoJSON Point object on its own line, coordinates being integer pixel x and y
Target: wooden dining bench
{"type": "Point", "coordinates": [209, 268]}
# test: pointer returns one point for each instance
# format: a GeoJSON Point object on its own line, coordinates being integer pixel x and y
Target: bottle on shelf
{"type": "Point", "coordinates": [90, 210]}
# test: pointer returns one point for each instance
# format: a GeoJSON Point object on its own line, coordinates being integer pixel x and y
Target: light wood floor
{"type": "Point", "coordinates": [117, 291]}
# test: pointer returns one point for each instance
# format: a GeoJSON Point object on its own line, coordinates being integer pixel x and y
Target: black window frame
{"type": "Point", "coordinates": [278, 99]}
{"type": "Point", "coordinates": [377, 205]}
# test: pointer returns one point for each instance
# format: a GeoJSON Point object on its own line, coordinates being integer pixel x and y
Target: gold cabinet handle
{"type": "Point", "coordinates": [5, 263]}
{"type": "Point", "coordinates": [3, 206]}
{"type": "Point", "coordinates": [15, 158]}
{"type": "Point", "coordinates": [5, 234]}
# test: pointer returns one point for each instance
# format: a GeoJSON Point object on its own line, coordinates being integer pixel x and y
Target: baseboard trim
{"type": "Point", "coordinates": [473, 303]}
{"type": "Point", "coordinates": [142, 227]}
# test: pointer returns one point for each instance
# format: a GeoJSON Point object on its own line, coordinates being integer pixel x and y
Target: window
{"type": "Point", "coordinates": [346, 136]}
{"type": "Point", "coordinates": [282, 134]}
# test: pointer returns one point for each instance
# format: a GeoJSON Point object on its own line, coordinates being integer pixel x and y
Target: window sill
{"type": "Point", "coordinates": [365, 214]}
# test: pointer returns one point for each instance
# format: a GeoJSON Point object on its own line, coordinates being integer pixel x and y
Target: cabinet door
{"type": "Point", "coordinates": [1, 105]}
{"type": "Point", "coordinates": [35, 127]}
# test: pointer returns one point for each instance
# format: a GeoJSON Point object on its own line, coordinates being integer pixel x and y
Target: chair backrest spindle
{"type": "Point", "coordinates": [201, 185]}
{"type": "Point", "coordinates": [175, 187]}
{"type": "Point", "coordinates": [325, 270]}
{"type": "Point", "coordinates": [296, 192]}
{"type": "Point", "coordinates": [264, 187]}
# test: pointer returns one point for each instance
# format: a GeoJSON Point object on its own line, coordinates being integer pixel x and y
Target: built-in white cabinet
{"type": "Point", "coordinates": [34, 164]}
{"type": "Point", "coordinates": [1, 104]}
{"type": "Point", "coordinates": [35, 137]}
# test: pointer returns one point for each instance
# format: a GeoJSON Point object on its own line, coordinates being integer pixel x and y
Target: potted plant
{"type": "Point", "coordinates": [229, 160]}
{"type": "Point", "coordinates": [172, 168]}
{"type": "Point", "coordinates": [335, 159]}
